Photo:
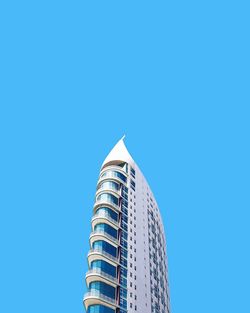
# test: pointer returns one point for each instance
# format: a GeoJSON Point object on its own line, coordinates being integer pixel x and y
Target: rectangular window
{"type": "Point", "coordinates": [132, 171]}
{"type": "Point", "coordinates": [132, 184]}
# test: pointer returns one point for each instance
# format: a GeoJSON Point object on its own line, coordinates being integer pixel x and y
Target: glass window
{"type": "Point", "coordinates": [98, 308]}
{"type": "Point", "coordinates": [109, 185]}
{"type": "Point", "coordinates": [107, 197]}
{"type": "Point", "coordinates": [115, 174]}
{"type": "Point", "coordinates": [104, 266]}
{"type": "Point", "coordinates": [102, 227]}
{"type": "Point", "coordinates": [124, 272]}
{"type": "Point", "coordinates": [132, 171]}
{"type": "Point", "coordinates": [108, 212]}
{"type": "Point", "coordinates": [103, 288]}
{"type": "Point", "coordinates": [105, 246]}
{"type": "Point", "coordinates": [123, 303]}
{"type": "Point", "coordinates": [123, 281]}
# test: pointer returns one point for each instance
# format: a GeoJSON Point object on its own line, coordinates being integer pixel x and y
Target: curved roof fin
{"type": "Point", "coordinates": [118, 154]}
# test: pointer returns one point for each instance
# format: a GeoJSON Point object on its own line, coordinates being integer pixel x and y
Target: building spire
{"type": "Point", "coordinates": [119, 153]}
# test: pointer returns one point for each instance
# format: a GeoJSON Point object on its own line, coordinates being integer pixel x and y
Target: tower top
{"type": "Point", "coordinates": [119, 153]}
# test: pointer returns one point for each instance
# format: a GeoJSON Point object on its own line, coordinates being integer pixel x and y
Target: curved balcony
{"type": "Point", "coordinates": [96, 274]}
{"type": "Point", "coordinates": [113, 167]}
{"type": "Point", "coordinates": [100, 235]}
{"type": "Point", "coordinates": [114, 191]}
{"type": "Point", "coordinates": [112, 175]}
{"type": "Point", "coordinates": [104, 217]}
{"type": "Point", "coordinates": [99, 254]}
{"type": "Point", "coordinates": [95, 297]}
{"type": "Point", "coordinates": [110, 204]}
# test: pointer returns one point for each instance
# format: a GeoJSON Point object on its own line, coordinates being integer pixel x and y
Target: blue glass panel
{"type": "Point", "coordinates": [124, 243]}
{"type": "Point", "coordinates": [124, 235]}
{"type": "Point", "coordinates": [123, 281]}
{"type": "Point", "coordinates": [104, 266]}
{"type": "Point", "coordinates": [103, 245]}
{"type": "Point", "coordinates": [124, 218]}
{"type": "Point", "coordinates": [124, 253]}
{"type": "Point", "coordinates": [123, 293]}
{"type": "Point", "coordinates": [124, 225]}
{"type": "Point", "coordinates": [106, 228]}
{"type": "Point", "coordinates": [124, 209]}
{"type": "Point", "coordinates": [125, 203]}
{"type": "Point", "coordinates": [124, 262]}
{"type": "Point", "coordinates": [109, 185]}
{"type": "Point", "coordinates": [109, 212]}
{"type": "Point", "coordinates": [108, 198]}
{"type": "Point", "coordinates": [124, 272]}
{"type": "Point", "coordinates": [98, 308]}
{"type": "Point", "coordinates": [103, 288]}
{"type": "Point", "coordinates": [123, 303]}
{"type": "Point", "coordinates": [115, 174]}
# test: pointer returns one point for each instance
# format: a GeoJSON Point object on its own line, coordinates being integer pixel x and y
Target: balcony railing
{"type": "Point", "coordinates": [104, 233]}
{"type": "Point", "coordinates": [99, 295]}
{"type": "Point", "coordinates": [115, 168]}
{"type": "Point", "coordinates": [106, 201]}
{"type": "Point", "coordinates": [105, 215]}
{"type": "Point", "coordinates": [108, 255]}
{"type": "Point", "coordinates": [108, 188]}
{"type": "Point", "coordinates": [111, 175]}
{"type": "Point", "coordinates": [104, 274]}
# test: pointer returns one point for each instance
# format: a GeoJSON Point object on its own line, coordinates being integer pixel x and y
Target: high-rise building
{"type": "Point", "coordinates": [127, 259]}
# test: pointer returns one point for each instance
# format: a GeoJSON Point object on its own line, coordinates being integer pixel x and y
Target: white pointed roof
{"type": "Point", "coordinates": [119, 153]}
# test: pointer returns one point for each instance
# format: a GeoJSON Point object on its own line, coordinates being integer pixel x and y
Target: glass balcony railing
{"type": "Point", "coordinates": [104, 233]}
{"type": "Point", "coordinates": [105, 215]}
{"type": "Point", "coordinates": [107, 201]}
{"type": "Point", "coordinates": [102, 273]}
{"type": "Point", "coordinates": [98, 294]}
{"type": "Point", "coordinates": [113, 174]}
{"type": "Point", "coordinates": [109, 185]}
{"type": "Point", "coordinates": [103, 252]}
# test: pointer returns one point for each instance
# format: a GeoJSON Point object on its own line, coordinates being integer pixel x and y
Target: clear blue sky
{"type": "Point", "coordinates": [174, 77]}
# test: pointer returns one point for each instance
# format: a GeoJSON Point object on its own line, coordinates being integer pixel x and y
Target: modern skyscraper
{"type": "Point", "coordinates": [127, 259]}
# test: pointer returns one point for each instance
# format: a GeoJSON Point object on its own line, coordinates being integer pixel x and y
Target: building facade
{"type": "Point", "coordinates": [127, 258]}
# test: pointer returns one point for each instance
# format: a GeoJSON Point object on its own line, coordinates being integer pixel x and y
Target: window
{"type": "Point", "coordinates": [109, 185]}
{"type": "Point", "coordinates": [132, 184]}
{"type": "Point", "coordinates": [102, 288]}
{"type": "Point", "coordinates": [98, 308]}
{"type": "Point", "coordinates": [132, 171]}
{"type": "Point", "coordinates": [123, 262]}
{"type": "Point", "coordinates": [105, 228]}
{"type": "Point", "coordinates": [100, 265]}
{"type": "Point", "coordinates": [123, 292]}
{"type": "Point", "coordinates": [123, 281]}
{"type": "Point", "coordinates": [101, 245]}
{"type": "Point", "coordinates": [123, 303]}
{"type": "Point", "coordinates": [124, 272]}
{"type": "Point", "coordinates": [103, 211]}
{"type": "Point", "coordinates": [115, 174]}
{"type": "Point", "coordinates": [107, 197]}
